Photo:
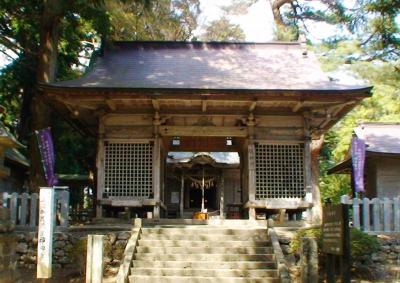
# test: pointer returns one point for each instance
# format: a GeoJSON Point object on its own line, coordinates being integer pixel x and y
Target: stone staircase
{"type": "Point", "coordinates": [203, 253]}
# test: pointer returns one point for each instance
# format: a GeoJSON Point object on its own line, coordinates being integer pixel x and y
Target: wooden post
{"type": "Point", "coordinates": [181, 196]}
{"type": "Point", "coordinates": [308, 176]}
{"type": "Point", "coordinates": [14, 208]}
{"type": "Point", "coordinates": [94, 259]}
{"type": "Point", "coordinates": [24, 209]}
{"type": "Point", "coordinates": [309, 260]}
{"type": "Point", "coordinates": [387, 215]}
{"type": "Point", "coordinates": [221, 201]}
{"type": "Point", "coordinates": [376, 207]}
{"type": "Point", "coordinates": [396, 218]}
{"type": "Point", "coordinates": [330, 270]}
{"type": "Point", "coordinates": [356, 213]}
{"type": "Point", "coordinates": [100, 168]}
{"type": "Point", "coordinates": [346, 258]}
{"type": "Point", "coordinates": [156, 176]}
{"type": "Point", "coordinates": [366, 215]}
{"type": "Point", "coordinates": [252, 178]}
{"type": "Point", "coordinates": [45, 233]}
{"type": "Point", "coordinates": [63, 198]}
{"type": "Point", "coordinates": [33, 209]}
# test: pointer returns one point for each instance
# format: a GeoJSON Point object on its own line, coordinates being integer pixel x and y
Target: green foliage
{"type": "Point", "coordinates": [383, 106]}
{"type": "Point", "coordinates": [153, 20]}
{"type": "Point", "coordinates": [77, 254]}
{"type": "Point", "coordinates": [82, 23]}
{"type": "Point", "coordinates": [374, 22]}
{"type": "Point", "coordinates": [74, 152]}
{"type": "Point", "coordinates": [223, 30]}
{"type": "Point", "coordinates": [362, 244]}
{"type": "Point", "coordinates": [306, 232]}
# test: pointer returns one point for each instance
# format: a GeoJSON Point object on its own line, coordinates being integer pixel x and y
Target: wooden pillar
{"type": "Point", "coordinates": [100, 168]}
{"type": "Point", "coordinates": [182, 195]}
{"type": "Point", "coordinates": [307, 176]}
{"type": "Point", "coordinates": [222, 195]}
{"type": "Point", "coordinates": [251, 155]}
{"type": "Point", "coordinates": [156, 166]}
{"type": "Point", "coordinates": [311, 171]}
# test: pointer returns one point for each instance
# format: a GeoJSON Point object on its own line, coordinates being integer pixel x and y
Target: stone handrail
{"type": "Point", "coordinates": [284, 276]}
{"type": "Point", "coordinates": [125, 267]}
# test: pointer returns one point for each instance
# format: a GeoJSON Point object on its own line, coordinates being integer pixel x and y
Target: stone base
{"type": "Point", "coordinates": [8, 258]}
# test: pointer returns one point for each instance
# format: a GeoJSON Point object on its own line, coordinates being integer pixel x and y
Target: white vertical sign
{"type": "Point", "coordinates": [45, 234]}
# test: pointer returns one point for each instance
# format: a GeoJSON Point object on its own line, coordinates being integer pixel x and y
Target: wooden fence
{"type": "Point", "coordinates": [375, 215]}
{"type": "Point", "coordinates": [24, 208]}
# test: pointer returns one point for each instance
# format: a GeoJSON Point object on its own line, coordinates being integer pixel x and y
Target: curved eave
{"type": "Point", "coordinates": [359, 92]}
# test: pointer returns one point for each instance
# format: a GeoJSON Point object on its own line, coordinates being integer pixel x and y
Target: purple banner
{"type": "Point", "coordinates": [358, 162]}
{"type": "Point", "coordinates": [46, 148]}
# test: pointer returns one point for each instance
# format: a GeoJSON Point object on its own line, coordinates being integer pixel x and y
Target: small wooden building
{"type": "Point", "coordinates": [13, 164]}
{"type": "Point", "coordinates": [382, 163]}
{"type": "Point", "coordinates": [264, 101]}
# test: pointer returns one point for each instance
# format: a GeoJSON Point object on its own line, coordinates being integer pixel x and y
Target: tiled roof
{"type": "Point", "coordinates": [197, 65]}
{"type": "Point", "coordinates": [380, 137]}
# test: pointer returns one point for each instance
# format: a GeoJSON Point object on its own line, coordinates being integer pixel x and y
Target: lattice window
{"type": "Point", "coordinates": [128, 170]}
{"type": "Point", "coordinates": [279, 171]}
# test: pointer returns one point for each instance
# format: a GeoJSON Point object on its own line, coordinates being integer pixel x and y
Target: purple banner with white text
{"type": "Point", "coordinates": [46, 148]}
{"type": "Point", "coordinates": [358, 162]}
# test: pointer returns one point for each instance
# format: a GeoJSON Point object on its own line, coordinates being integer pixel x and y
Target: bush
{"type": "Point", "coordinates": [307, 232]}
{"type": "Point", "coordinates": [361, 243]}
{"type": "Point", "coordinates": [77, 254]}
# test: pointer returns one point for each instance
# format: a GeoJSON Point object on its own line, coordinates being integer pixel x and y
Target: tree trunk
{"type": "Point", "coordinates": [276, 6]}
{"type": "Point", "coordinates": [47, 64]}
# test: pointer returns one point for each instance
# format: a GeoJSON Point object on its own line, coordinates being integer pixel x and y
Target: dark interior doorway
{"type": "Point", "coordinates": [210, 198]}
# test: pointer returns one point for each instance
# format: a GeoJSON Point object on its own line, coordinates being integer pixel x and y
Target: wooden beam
{"type": "Point", "coordinates": [298, 106]}
{"type": "Point", "coordinates": [156, 104]}
{"type": "Point", "coordinates": [204, 105]}
{"type": "Point", "coordinates": [252, 106]}
{"type": "Point", "coordinates": [203, 131]}
{"type": "Point", "coordinates": [111, 104]}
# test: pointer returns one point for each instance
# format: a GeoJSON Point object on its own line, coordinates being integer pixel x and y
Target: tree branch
{"type": "Point", "coordinates": [276, 5]}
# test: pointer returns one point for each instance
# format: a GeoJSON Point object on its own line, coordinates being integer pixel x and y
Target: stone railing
{"type": "Point", "coordinates": [374, 215]}
{"type": "Point", "coordinates": [24, 208]}
{"type": "Point", "coordinates": [281, 264]}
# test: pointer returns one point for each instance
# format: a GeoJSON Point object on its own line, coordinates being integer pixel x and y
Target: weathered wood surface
{"type": "Point", "coordinates": [24, 208]}
{"type": "Point", "coordinates": [375, 215]}
{"type": "Point", "coordinates": [94, 259]}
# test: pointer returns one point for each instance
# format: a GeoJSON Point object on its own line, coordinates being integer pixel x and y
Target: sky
{"type": "Point", "coordinates": [257, 23]}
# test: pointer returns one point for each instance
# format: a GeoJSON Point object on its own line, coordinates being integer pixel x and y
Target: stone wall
{"type": "Point", "coordinates": [8, 256]}
{"type": "Point", "coordinates": [376, 266]}
{"type": "Point", "coordinates": [69, 250]}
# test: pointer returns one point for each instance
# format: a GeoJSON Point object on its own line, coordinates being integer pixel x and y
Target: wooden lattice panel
{"type": "Point", "coordinates": [279, 171]}
{"type": "Point", "coordinates": [128, 170]}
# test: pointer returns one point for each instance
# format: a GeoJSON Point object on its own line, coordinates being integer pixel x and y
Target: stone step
{"type": "Point", "coordinates": [198, 279]}
{"type": "Point", "coordinates": [204, 250]}
{"type": "Point", "coordinates": [205, 237]}
{"type": "Point", "coordinates": [209, 222]}
{"type": "Point", "coordinates": [200, 243]}
{"type": "Point", "coordinates": [244, 265]}
{"type": "Point", "coordinates": [204, 272]}
{"type": "Point", "coordinates": [204, 257]}
{"type": "Point", "coordinates": [195, 230]}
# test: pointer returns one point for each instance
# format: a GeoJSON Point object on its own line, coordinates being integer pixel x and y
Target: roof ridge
{"type": "Point", "coordinates": [207, 43]}
{"type": "Point", "coordinates": [378, 123]}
